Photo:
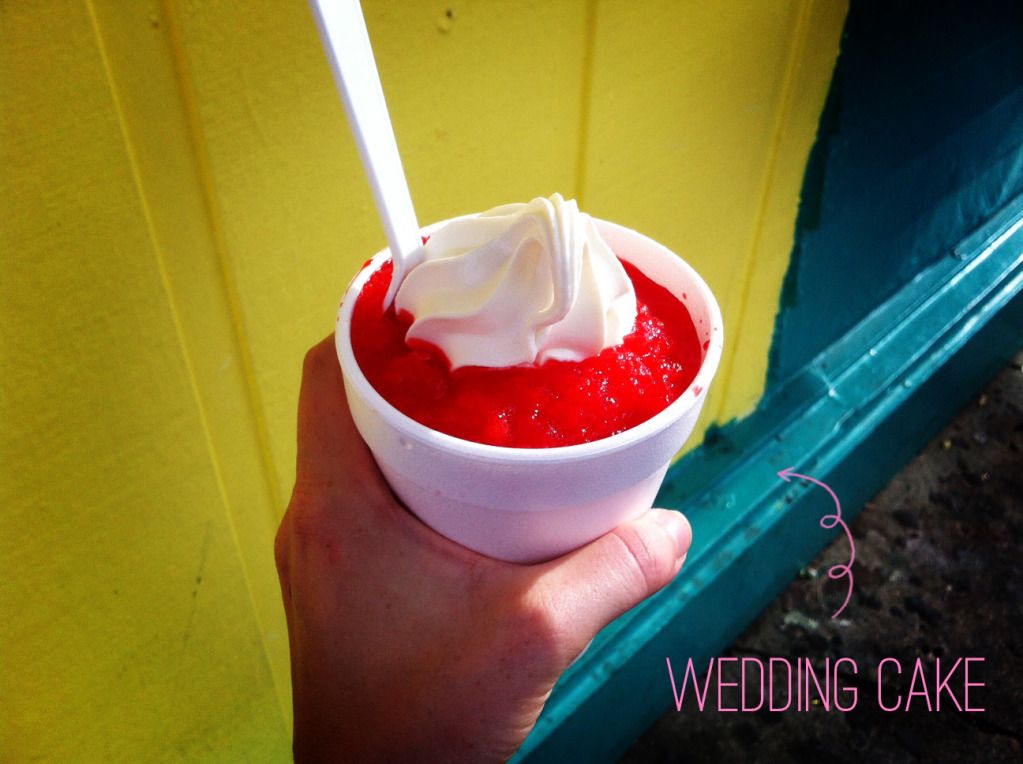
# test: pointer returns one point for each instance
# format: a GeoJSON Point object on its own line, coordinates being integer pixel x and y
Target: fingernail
{"type": "Point", "coordinates": [679, 564]}
{"type": "Point", "coordinates": [677, 525]}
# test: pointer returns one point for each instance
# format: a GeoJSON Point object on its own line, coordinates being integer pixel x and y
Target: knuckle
{"type": "Point", "coordinates": [304, 519]}
{"type": "Point", "coordinates": [647, 557]}
{"type": "Point", "coordinates": [312, 533]}
{"type": "Point", "coordinates": [282, 558]}
{"type": "Point", "coordinates": [320, 357]}
{"type": "Point", "coordinates": [313, 359]}
{"type": "Point", "coordinates": [538, 629]}
{"type": "Point", "coordinates": [305, 523]}
{"type": "Point", "coordinates": [281, 547]}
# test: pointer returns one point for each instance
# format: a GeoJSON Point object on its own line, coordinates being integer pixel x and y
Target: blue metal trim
{"type": "Point", "coordinates": [852, 416]}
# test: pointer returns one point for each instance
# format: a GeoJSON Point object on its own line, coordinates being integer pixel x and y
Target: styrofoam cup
{"type": "Point", "coordinates": [531, 504]}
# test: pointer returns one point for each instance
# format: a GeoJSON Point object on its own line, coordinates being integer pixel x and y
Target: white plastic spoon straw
{"type": "Point", "coordinates": [346, 41]}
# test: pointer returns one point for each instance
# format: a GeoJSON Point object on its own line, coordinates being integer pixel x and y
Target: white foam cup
{"type": "Point", "coordinates": [532, 504]}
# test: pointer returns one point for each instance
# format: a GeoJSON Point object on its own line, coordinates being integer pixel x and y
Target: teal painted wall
{"type": "Point", "coordinates": [921, 140]}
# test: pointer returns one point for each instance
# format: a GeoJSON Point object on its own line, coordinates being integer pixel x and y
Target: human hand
{"type": "Point", "coordinates": [408, 647]}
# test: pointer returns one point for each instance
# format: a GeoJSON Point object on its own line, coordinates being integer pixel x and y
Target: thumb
{"type": "Point", "coordinates": [592, 586]}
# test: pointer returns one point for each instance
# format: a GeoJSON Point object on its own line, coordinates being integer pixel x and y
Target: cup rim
{"type": "Point", "coordinates": [408, 426]}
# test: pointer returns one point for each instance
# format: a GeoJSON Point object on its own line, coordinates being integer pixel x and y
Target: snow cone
{"type": "Point", "coordinates": [536, 374]}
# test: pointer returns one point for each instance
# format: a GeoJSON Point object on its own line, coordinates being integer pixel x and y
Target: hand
{"type": "Point", "coordinates": [408, 647]}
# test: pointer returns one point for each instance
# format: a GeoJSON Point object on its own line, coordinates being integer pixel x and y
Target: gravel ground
{"type": "Point", "coordinates": [938, 576]}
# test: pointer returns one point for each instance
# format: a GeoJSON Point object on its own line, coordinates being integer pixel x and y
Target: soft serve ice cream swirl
{"type": "Point", "coordinates": [519, 284]}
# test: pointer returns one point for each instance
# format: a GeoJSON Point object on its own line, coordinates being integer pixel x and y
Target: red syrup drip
{"type": "Point", "coordinates": [558, 403]}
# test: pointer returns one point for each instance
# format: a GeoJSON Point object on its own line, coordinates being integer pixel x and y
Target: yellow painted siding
{"type": "Point", "coordinates": [181, 206]}
{"type": "Point", "coordinates": [701, 119]}
{"type": "Point", "coordinates": [128, 632]}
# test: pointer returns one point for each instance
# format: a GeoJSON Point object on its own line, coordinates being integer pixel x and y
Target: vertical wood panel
{"type": "Point", "coordinates": [128, 633]}
{"type": "Point", "coordinates": [158, 114]}
{"type": "Point", "coordinates": [814, 49]}
{"type": "Point", "coordinates": [486, 110]}
{"type": "Point", "coordinates": [694, 142]}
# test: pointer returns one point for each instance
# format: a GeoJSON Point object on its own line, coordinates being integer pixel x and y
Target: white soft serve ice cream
{"type": "Point", "coordinates": [519, 284]}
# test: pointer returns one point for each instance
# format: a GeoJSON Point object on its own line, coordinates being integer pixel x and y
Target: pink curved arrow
{"type": "Point", "coordinates": [828, 522]}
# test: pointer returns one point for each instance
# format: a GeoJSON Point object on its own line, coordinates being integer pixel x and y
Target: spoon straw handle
{"type": "Point", "coordinates": [345, 39]}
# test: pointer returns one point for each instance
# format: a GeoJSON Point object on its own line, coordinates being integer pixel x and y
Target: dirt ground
{"type": "Point", "coordinates": [938, 575]}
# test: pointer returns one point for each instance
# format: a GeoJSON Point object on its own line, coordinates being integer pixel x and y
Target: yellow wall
{"type": "Point", "coordinates": [181, 207]}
